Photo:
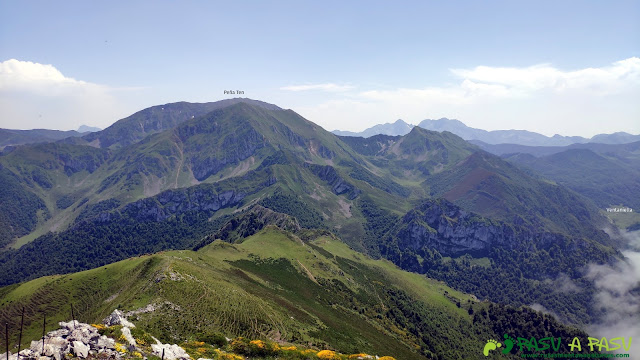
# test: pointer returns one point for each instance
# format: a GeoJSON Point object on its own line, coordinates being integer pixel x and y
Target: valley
{"type": "Point", "coordinates": [256, 222]}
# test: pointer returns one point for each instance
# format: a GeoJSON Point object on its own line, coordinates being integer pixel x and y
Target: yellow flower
{"type": "Point", "coordinates": [259, 343]}
{"type": "Point", "coordinates": [136, 354]}
{"type": "Point", "coordinates": [360, 356]}
{"type": "Point", "coordinates": [386, 358]}
{"type": "Point", "coordinates": [121, 348]}
{"type": "Point", "coordinates": [289, 348]}
{"type": "Point", "coordinates": [99, 326]}
{"type": "Point", "coordinates": [201, 350]}
{"type": "Point", "coordinates": [326, 354]}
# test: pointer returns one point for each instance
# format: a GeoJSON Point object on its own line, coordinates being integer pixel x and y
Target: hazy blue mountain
{"type": "Point", "coordinates": [522, 137]}
{"type": "Point", "coordinates": [518, 137]}
{"type": "Point", "coordinates": [86, 128]}
{"type": "Point", "coordinates": [627, 153]}
{"type": "Point", "coordinates": [607, 178]}
{"type": "Point", "coordinates": [19, 137]}
{"type": "Point", "coordinates": [397, 128]}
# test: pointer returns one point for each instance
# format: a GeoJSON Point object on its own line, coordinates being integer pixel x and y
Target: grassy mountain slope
{"type": "Point", "coordinates": [277, 286]}
{"type": "Point", "coordinates": [239, 136]}
{"type": "Point", "coordinates": [493, 187]}
{"type": "Point", "coordinates": [49, 178]}
{"type": "Point", "coordinates": [606, 180]}
{"type": "Point", "coordinates": [502, 262]}
{"type": "Point", "coordinates": [157, 119]}
{"type": "Point", "coordinates": [226, 143]}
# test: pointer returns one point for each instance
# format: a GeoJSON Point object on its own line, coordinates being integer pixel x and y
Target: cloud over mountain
{"type": "Point", "coordinates": [541, 98]}
{"type": "Point", "coordinates": [32, 94]}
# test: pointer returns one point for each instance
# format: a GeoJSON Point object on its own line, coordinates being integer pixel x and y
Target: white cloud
{"type": "Point", "coordinates": [616, 296]}
{"type": "Point", "coordinates": [539, 98]}
{"type": "Point", "coordinates": [330, 87]}
{"type": "Point", "coordinates": [606, 80]}
{"type": "Point", "coordinates": [39, 78]}
{"type": "Point", "coordinates": [34, 95]}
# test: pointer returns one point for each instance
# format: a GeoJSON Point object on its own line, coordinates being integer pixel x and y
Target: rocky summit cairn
{"type": "Point", "coordinates": [75, 338]}
{"type": "Point", "coordinates": [80, 340]}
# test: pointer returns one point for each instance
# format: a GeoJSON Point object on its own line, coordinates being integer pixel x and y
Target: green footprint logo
{"type": "Point", "coordinates": [490, 345]}
{"type": "Point", "coordinates": [508, 342]}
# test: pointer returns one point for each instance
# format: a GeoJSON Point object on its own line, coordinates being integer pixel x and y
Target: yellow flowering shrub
{"type": "Point", "coordinates": [136, 354]}
{"type": "Point", "coordinates": [221, 355]}
{"type": "Point", "coordinates": [386, 358]}
{"type": "Point", "coordinates": [99, 326]}
{"type": "Point", "coordinates": [258, 343]}
{"type": "Point", "coordinates": [289, 348]}
{"type": "Point", "coordinates": [326, 355]}
{"type": "Point", "coordinates": [121, 348]}
{"type": "Point", "coordinates": [360, 356]}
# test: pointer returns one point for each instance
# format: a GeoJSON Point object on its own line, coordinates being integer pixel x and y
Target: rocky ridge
{"type": "Point", "coordinates": [80, 340]}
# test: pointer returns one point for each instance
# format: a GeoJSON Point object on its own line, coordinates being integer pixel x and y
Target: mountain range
{"type": "Point", "coordinates": [257, 200]}
{"type": "Point", "coordinates": [519, 137]}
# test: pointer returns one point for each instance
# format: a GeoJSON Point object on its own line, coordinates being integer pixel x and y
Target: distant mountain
{"type": "Point", "coordinates": [169, 176]}
{"type": "Point", "coordinates": [518, 137]}
{"type": "Point", "coordinates": [19, 137]}
{"type": "Point", "coordinates": [608, 178]}
{"type": "Point", "coordinates": [157, 119]}
{"type": "Point", "coordinates": [85, 128]}
{"type": "Point", "coordinates": [622, 151]}
{"type": "Point", "coordinates": [397, 128]}
{"type": "Point", "coordinates": [521, 137]}
{"type": "Point", "coordinates": [608, 174]}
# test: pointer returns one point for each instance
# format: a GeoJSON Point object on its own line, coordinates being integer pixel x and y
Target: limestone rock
{"type": "Point", "coordinates": [80, 349]}
{"type": "Point", "coordinates": [170, 351]}
{"type": "Point", "coordinates": [117, 318]}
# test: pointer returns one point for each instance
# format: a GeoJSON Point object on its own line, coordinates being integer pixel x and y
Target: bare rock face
{"type": "Point", "coordinates": [117, 318]}
{"type": "Point", "coordinates": [171, 351]}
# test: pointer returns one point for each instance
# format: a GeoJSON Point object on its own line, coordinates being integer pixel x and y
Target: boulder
{"type": "Point", "coordinates": [170, 351]}
{"type": "Point", "coordinates": [117, 318]}
{"type": "Point", "coordinates": [80, 349]}
{"type": "Point", "coordinates": [127, 335]}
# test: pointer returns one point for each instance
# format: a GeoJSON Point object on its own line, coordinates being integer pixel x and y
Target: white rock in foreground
{"type": "Point", "coordinates": [170, 351]}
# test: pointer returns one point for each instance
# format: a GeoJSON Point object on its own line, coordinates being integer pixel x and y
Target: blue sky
{"type": "Point", "coordinates": [568, 67]}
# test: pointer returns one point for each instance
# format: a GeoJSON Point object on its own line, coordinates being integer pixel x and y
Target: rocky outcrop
{"type": "Point", "coordinates": [117, 318]}
{"type": "Point", "coordinates": [452, 231]}
{"type": "Point", "coordinates": [76, 338]}
{"type": "Point", "coordinates": [204, 197]}
{"type": "Point", "coordinates": [251, 222]}
{"type": "Point", "coordinates": [233, 149]}
{"type": "Point", "coordinates": [176, 202]}
{"type": "Point", "coordinates": [80, 340]}
{"type": "Point", "coordinates": [169, 351]}
{"type": "Point", "coordinates": [90, 160]}
{"type": "Point", "coordinates": [338, 184]}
